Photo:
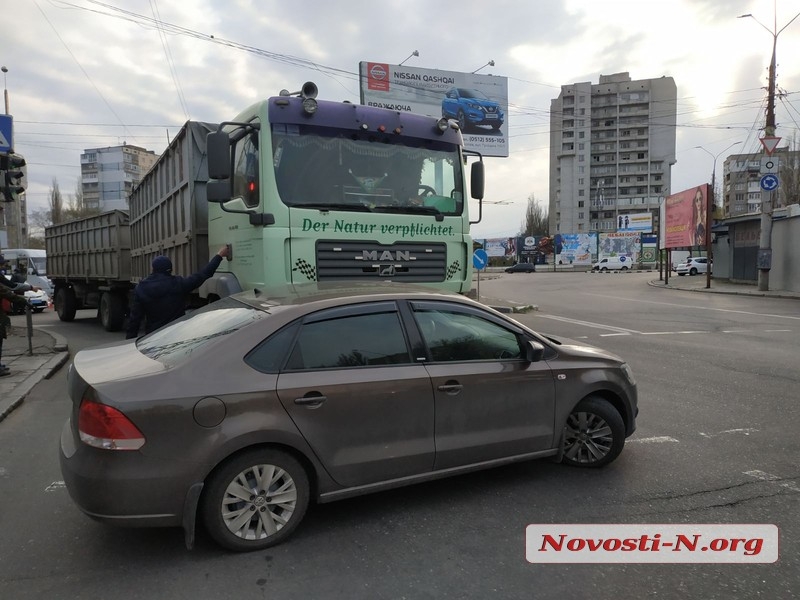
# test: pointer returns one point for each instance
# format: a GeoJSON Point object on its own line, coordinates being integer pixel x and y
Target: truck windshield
{"type": "Point", "coordinates": [319, 166]}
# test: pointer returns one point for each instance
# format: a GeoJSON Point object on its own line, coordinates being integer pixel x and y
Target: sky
{"type": "Point", "coordinates": [87, 74]}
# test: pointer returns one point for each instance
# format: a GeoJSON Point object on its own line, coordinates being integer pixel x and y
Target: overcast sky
{"type": "Point", "coordinates": [86, 74]}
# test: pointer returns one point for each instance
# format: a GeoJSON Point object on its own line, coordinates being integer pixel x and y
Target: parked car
{"type": "Point", "coordinates": [244, 411]}
{"type": "Point", "coordinates": [693, 265]}
{"type": "Point", "coordinates": [471, 107]}
{"type": "Point", "coordinates": [522, 267]}
{"type": "Point", "coordinates": [615, 263]}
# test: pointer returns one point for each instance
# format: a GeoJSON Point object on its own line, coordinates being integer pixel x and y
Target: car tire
{"type": "Point", "coordinates": [624, 268]}
{"type": "Point", "coordinates": [38, 310]}
{"type": "Point", "coordinates": [693, 271]}
{"type": "Point", "coordinates": [604, 269]}
{"type": "Point", "coordinates": [681, 274]}
{"type": "Point", "coordinates": [224, 511]}
{"type": "Point", "coordinates": [594, 434]}
{"type": "Point", "coordinates": [462, 121]}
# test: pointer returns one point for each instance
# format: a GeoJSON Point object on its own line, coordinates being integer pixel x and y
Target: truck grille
{"type": "Point", "coordinates": [367, 260]}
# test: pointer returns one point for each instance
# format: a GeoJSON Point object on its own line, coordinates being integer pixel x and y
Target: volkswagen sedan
{"type": "Point", "coordinates": [243, 413]}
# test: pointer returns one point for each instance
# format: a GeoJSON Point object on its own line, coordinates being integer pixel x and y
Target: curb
{"type": "Point", "coordinates": [21, 391]}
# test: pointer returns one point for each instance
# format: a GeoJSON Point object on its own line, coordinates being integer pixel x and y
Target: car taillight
{"type": "Point", "coordinates": [105, 427]}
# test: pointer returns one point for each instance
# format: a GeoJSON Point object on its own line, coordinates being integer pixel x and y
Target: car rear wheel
{"type": "Point", "coordinates": [693, 271]}
{"type": "Point", "coordinates": [624, 268]}
{"type": "Point", "coordinates": [594, 434]}
{"type": "Point", "coordinates": [255, 500]}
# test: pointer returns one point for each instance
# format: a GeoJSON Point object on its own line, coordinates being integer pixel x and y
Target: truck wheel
{"type": "Point", "coordinates": [65, 304]}
{"type": "Point", "coordinates": [112, 311]}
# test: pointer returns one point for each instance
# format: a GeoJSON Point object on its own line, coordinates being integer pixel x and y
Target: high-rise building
{"type": "Point", "coordinates": [612, 146]}
{"type": "Point", "coordinates": [742, 173]}
{"type": "Point", "coordinates": [109, 174]}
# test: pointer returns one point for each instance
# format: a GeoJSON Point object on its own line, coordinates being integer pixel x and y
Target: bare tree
{"type": "Point", "coordinates": [56, 203]}
{"type": "Point", "coordinates": [536, 219]}
{"type": "Point", "coordinates": [790, 174]}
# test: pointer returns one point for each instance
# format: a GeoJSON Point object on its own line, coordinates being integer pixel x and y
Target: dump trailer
{"type": "Point", "coordinates": [89, 260]}
{"type": "Point", "coordinates": [97, 260]}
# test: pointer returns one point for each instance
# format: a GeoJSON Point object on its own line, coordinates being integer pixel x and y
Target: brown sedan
{"type": "Point", "coordinates": [243, 412]}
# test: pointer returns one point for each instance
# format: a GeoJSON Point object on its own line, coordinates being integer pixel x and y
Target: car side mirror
{"type": "Point", "coordinates": [534, 351]}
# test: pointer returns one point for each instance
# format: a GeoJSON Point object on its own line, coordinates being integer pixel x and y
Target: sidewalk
{"type": "Point", "coordinates": [718, 286]}
{"type": "Point", "coordinates": [50, 353]}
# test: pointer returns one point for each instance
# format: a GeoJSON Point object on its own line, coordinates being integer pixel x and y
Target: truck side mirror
{"type": "Point", "coordinates": [218, 150]}
{"type": "Point", "coordinates": [476, 180]}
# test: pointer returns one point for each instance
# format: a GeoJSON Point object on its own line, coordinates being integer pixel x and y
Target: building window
{"type": "Point", "coordinates": [580, 202]}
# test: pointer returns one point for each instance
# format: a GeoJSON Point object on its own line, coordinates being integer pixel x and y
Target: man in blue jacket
{"type": "Point", "coordinates": [161, 296]}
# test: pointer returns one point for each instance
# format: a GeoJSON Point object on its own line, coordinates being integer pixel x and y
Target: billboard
{"type": "Point", "coordinates": [642, 222]}
{"type": "Point", "coordinates": [619, 244]}
{"type": "Point", "coordinates": [685, 218]}
{"type": "Point", "coordinates": [576, 248]}
{"type": "Point", "coordinates": [501, 247]}
{"type": "Point", "coordinates": [478, 102]}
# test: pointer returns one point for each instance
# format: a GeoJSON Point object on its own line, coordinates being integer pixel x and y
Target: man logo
{"type": "Point", "coordinates": [399, 255]}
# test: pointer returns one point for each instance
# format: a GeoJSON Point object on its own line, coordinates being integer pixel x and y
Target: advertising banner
{"type": "Point", "coordinates": [478, 102]}
{"type": "Point", "coordinates": [619, 244]}
{"type": "Point", "coordinates": [685, 218]}
{"type": "Point", "coordinates": [576, 248]}
{"type": "Point", "coordinates": [506, 247]}
{"type": "Point", "coordinates": [637, 222]}
{"type": "Point", "coordinates": [528, 246]}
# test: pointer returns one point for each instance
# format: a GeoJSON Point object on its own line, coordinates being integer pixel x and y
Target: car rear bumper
{"type": "Point", "coordinates": [121, 487]}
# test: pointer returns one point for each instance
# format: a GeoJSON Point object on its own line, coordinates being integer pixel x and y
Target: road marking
{"type": "Point", "coordinates": [684, 306]}
{"type": "Point", "coordinates": [778, 330]}
{"type": "Point", "coordinates": [770, 478]}
{"type": "Point", "coordinates": [612, 334]}
{"type": "Point", "coordinates": [671, 332]}
{"type": "Point", "coordinates": [56, 485]}
{"type": "Point", "coordinates": [590, 324]}
{"type": "Point", "coordinates": [659, 439]}
{"type": "Point", "coordinates": [744, 431]}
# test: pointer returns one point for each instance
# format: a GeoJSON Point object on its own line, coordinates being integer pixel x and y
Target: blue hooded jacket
{"type": "Point", "coordinates": [160, 297]}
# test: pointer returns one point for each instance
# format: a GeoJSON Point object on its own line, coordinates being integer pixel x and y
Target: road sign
{"type": "Point", "coordinates": [769, 182]}
{"type": "Point", "coordinates": [480, 259]}
{"type": "Point", "coordinates": [769, 165]}
{"type": "Point", "coordinates": [6, 134]}
{"type": "Point", "coordinates": [770, 143]}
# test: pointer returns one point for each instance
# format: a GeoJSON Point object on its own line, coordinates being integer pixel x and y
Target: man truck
{"type": "Point", "coordinates": [302, 190]}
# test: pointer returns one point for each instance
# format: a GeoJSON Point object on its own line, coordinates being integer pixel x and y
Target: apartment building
{"type": "Point", "coordinates": [612, 147]}
{"type": "Point", "coordinates": [741, 181]}
{"type": "Point", "coordinates": [109, 174]}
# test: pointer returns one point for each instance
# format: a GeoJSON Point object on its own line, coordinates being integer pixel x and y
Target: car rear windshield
{"type": "Point", "coordinates": [175, 342]}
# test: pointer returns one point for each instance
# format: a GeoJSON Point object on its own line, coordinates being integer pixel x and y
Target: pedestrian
{"type": "Point", "coordinates": [7, 293]}
{"type": "Point", "coordinates": [161, 296]}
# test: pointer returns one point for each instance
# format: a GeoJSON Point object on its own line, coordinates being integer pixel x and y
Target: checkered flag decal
{"type": "Point", "coordinates": [310, 271]}
{"type": "Point", "coordinates": [453, 269]}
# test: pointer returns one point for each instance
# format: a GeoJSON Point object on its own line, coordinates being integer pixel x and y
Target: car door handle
{"type": "Point", "coordinates": [450, 388]}
{"type": "Point", "coordinates": [310, 401]}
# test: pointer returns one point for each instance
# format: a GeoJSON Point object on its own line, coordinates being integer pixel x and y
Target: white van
{"type": "Point", "coordinates": [30, 262]}
{"type": "Point", "coordinates": [615, 263]}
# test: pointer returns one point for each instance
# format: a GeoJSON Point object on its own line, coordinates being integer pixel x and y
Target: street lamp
{"type": "Point", "coordinates": [5, 86]}
{"type": "Point", "coordinates": [414, 53]}
{"type": "Point", "coordinates": [765, 238]}
{"type": "Point", "coordinates": [711, 202]}
{"type": "Point", "coordinates": [489, 64]}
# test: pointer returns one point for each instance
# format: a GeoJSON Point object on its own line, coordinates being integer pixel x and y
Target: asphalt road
{"type": "Point", "coordinates": [716, 443]}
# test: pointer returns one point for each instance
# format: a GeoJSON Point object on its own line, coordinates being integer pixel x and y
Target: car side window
{"type": "Point", "coordinates": [269, 355]}
{"type": "Point", "coordinates": [364, 340]}
{"type": "Point", "coordinates": [453, 336]}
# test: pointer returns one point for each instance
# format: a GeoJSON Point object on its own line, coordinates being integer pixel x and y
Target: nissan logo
{"type": "Point", "coordinates": [377, 72]}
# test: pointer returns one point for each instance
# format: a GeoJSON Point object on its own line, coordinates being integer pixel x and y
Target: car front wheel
{"type": "Point", "coordinates": [255, 500]}
{"type": "Point", "coordinates": [693, 271]}
{"type": "Point", "coordinates": [594, 434]}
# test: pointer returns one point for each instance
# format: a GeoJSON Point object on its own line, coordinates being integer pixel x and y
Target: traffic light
{"type": "Point", "coordinates": [14, 181]}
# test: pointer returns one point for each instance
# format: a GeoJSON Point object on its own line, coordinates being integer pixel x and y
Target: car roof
{"type": "Point", "coordinates": [338, 293]}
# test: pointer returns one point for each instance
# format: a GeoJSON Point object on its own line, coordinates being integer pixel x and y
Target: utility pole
{"type": "Point", "coordinates": [767, 197]}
